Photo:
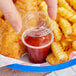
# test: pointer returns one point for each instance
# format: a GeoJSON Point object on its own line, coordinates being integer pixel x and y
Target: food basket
{"type": "Point", "coordinates": [67, 13]}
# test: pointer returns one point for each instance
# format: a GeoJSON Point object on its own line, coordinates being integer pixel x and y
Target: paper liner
{"type": "Point", "coordinates": [25, 61]}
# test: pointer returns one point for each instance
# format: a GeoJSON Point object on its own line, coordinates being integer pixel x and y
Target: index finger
{"type": "Point", "coordinates": [11, 14]}
{"type": "Point", "coordinates": [52, 8]}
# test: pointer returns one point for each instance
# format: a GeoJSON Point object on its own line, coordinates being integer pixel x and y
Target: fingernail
{"type": "Point", "coordinates": [17, 28]}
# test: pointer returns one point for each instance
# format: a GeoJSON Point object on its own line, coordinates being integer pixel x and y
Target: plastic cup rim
{"type": "Point", "coordinates": [36, 47]}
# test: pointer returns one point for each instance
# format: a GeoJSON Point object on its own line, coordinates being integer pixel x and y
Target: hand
{"type": "Point", "coordinates": [52, 8]}
{"type": "Point", "coordinates": [11, 14]}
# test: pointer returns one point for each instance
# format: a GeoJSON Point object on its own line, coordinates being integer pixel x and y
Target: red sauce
{"type": "Point", "coordinates": [34, 39]}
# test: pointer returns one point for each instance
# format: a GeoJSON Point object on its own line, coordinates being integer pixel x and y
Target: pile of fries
{"type": "Point", "coordinates": [64, 29]}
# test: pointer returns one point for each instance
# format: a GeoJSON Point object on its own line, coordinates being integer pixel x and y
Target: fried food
{"type": "Point", "coordinates": [59, 52]}
{"type": "Point", "coordinates": [9, 41]}
{"type": "Point", "coordinates": [43, 7]}
{"type": "Point", "coordinates": [53, 25]}
{"type": "Point", "coordinates": [57, 32]}
{"type": "Point", "coordinates": [1, 14]}
{"type": "Point", "coordinates": [64, 44]}
{"type": "Point", "coordinates": [64, 29]}
{"type": "Point", "coordinates": [39, 1]}
{"type": "Point", "coordinates": [74, 45]}
{"type": "Point", "coordinates": [67, 14]}
{"type": "Point", "coordinates": [65, 26]}
{"type": "Point", "coordinates": [23, 7]}
{"type": "Point", "coordinates": [69, 51]}
{"type": "Point", "coordinates": [63, 3]}
{"type": "Point", "coordinates": [52, 59]}
{"type": "Point", "coordinates": [72, 3]}
{"type": "Point", "coordinates": [74, 29]}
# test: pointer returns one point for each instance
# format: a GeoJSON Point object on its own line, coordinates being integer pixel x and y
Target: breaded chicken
{"type": "Point", "coordinates": [9, 41]}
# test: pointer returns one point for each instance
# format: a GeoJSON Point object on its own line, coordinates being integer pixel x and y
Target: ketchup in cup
{"type": "Point", "coordinates": [37, 42]}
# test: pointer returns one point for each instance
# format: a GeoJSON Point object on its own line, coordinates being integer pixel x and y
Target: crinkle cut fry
{"type": "Point", "coordinates": [43, 7]}
{"type": "Point", "coordinates": [64, 44]}
{"type": "Point", "coordinates": [1, 14]}
{"type": "Point", "coordinates": [74, 45]}
{"type": "Point", "coordinates": [53, 25]}
{"type": "Point", "coordinates": [52, 59]}
{"type": "Point", "coordinates": [24, 6]}
{"type": "Point", "coordinates": [74, 29]}
{"type": "Point", "coordinates": [72, 3]}
{"type": "Point", "coordinates": [59, 52]}
{"type": "Point", "coordinates": [63, 3]}
{"type": "Point", "coordinates": [67, 14]}
{"type": "Point", "coordinates": [57, 32]}
{"type": "Point", "coordinates": [65, 26]}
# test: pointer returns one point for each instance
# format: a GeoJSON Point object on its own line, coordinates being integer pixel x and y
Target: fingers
{"type": "Point", "coordinates": [52, 8]}
{"type": "Point", "coordinates": [11, 14]}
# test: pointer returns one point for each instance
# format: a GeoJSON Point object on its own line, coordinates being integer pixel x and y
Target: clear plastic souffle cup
{"type": "Point", "coordinates": [37, 36]}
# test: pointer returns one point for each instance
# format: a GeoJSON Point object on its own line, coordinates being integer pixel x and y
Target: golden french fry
{"type": "Point", "coordinates": [71, 38]}
{"type": "Point", "coordinates": [74, 29]}
{"type": "Point", "coordinates": [64, 44]}
{"type": "Point", "coordinates": [43, 7]}
{"type": "Point", "coordinates": [24, 6]}
{"type": "Point", "coordinates": [69, 51]}
{"type": "Point", "coordinates": [67, 14]}
{"type": "Point", "coordinates": [72, 3]}
{"type": "Point", "coordinates": [39, 1]}
{"type": "Point", "coordinates": [65, 26]}
{"type": "Point", "coordinates": [53, 25]}
{"type": "Point", "coordinates": [59, 52]}
{"type": "Point", "coordinates": [57, 32]}
{"type": "Point", "coordinates": [1, 14]}
{"type": "Point", "coordinates": [52, 59]}
{"type": "Point", "coordinates": [74, 45]}
{"type": "Point", "coordinates": [63, 3]}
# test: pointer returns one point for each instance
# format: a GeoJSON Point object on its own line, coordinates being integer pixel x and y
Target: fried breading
{"type": "Point", "coordinates": [9, 41]}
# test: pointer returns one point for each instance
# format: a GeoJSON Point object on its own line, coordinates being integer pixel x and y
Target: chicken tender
{"type": "Point", "coordinates": [9, 41]}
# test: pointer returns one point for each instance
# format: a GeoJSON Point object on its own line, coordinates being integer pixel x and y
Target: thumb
{"type": "Point", "coordinates": [52, 8]}
{"type": "Point", "coordinates": [11, 14]}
